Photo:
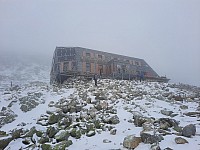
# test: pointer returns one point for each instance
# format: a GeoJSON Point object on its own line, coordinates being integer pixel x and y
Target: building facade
{"type": "Point", "coordinates": [77, 61]}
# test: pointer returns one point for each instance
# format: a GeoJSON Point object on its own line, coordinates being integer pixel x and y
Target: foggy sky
{"type": "Point", "coordinates": [165, 33]}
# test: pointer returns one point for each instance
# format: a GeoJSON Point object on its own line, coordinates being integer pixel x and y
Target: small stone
{"type": "Point", "coordinates": [106, 141]}
{"type": "Point", "coordinates": [131, 142]}
{"type": "Point", "coordinates": [166, 112]}
{"type": "Point", "coordinates": [168, 148]}
{"type": "Point", "coordinates": [184, 107]}
{"type": "Point", "coordinates": [26, 141]}
{"type": "Point", "coordinates": [113, 131]}
{"type": "Point", "coordinates": [3, 109]}
{"type": "Point", "coordinates": [155, 146]}
{"type": "Point", "coordinates": [180, 140]}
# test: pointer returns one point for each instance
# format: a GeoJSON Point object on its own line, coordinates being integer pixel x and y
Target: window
{"type": "Point", "coordinates": [99, 56]}
{"type": "Point", "coordinates": [88, 55]}
{"type": "Point", "coordinates": [74, 66]}
{"type": "Point", "coordinates": [137, 63]}
{"type": "Point", "coordinates": [65, 66]}
{"type": "Point", "coordinates": [100, 69]}
{"type": "Point", "coordinates": [88, 67]}
{"type": "Point", "coordinates": [59, 52]}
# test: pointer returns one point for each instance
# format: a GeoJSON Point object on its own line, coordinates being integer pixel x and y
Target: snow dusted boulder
{"type": "Point", "coordinates": [180, 140]}
{"type": "Point", "coordinates": [112, 120]}
{"type": "Point", "coordinates": [31, 101]}
{"type": "Point", "coordinates": [139, 120]}
{"type": "Point", "coordinates": [189, 130]}
{"type": "Point", "coordinates": [90, 133]}
{"type": "Point", "coordinates": [131, 142]}
{"type": "Point", "coordinates": [62, 135]}
{"type": "Point", "coordinates": [7, 116]}
{"type": "Point", "coordinates": [147, 126]}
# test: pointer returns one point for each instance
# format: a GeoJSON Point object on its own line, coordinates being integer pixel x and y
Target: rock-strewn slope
{"type": "Point", "coordinates": [114, 115]}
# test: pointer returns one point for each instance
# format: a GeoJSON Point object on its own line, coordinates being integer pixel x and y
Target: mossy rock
{"type": "Point", "coordinates": [62, 145]}
{"type": "Point", "coordinates": [17, 133]}
{"type": "Point", "coordinates": [51, 131]}
{"type": "Point", "coordinates": [31, 132]}
{"type": "Point", "coordinates": [43, 140]}
{"type": "Point", "coordinates": [78, 134]}
{"type": "Point", "coordinates": [39, 133]}
{"type": "Point", "coordinates": [75, 133]}
{"type": "Point", "coordinates": [97, 124]}
{"type": "Point", "coordinates": [90, 126]}
{"type": "Point", "coordinates": [53, 119]}
{"type": "Point", "coordinates": [2, 133]}
{"type": "Point", "coordinates": [4, 143]}
{"type": "Point", "coordinates": [178, 129]}
{"type": "Point", "coordinates": [46, 147]}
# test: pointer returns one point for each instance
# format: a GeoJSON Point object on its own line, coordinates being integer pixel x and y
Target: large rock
{"type": "Point", "coordinates": [150, 139]}
{"type": "Point", "coordinates": [131, 142]}
{"type": "Point", "coordinates": [189, 130]}
{"type": "Point", "coordinates": [4, 142]}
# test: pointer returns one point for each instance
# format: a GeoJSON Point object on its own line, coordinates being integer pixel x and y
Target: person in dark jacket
{"type": "Point", "coordinates": [95, 80]}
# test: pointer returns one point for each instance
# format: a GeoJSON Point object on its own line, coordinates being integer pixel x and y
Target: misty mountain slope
{"type": "Point", "coordinates": [115, 115]}
{"type": "Point", "coordinates": [21, 69]}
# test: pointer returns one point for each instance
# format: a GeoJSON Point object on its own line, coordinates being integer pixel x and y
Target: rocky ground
{"type": "Point", "coordinates": [114, 115]}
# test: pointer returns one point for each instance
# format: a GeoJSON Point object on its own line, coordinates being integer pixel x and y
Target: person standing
{"type": "Point", "coordinates": [95, 80]}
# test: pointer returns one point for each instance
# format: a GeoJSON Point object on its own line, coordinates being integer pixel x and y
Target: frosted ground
{"type": "Point", "coordinates": [78, 115]}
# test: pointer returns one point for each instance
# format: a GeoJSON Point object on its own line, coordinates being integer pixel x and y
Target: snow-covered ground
{"type": "Point", "coordinates": [124, 99]}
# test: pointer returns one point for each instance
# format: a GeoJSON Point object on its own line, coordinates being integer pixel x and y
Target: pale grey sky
{"type": "Point", "coordinates": [165, 33]}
